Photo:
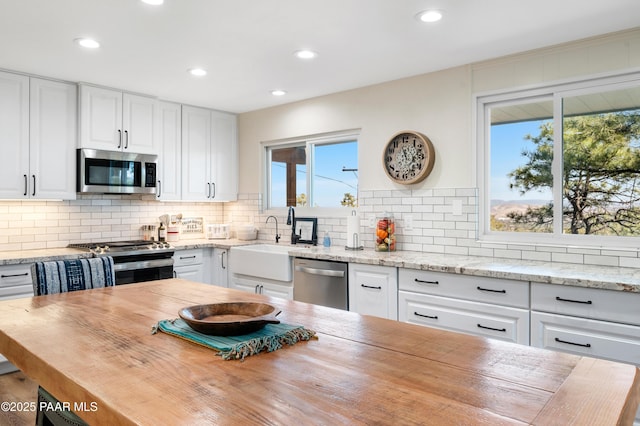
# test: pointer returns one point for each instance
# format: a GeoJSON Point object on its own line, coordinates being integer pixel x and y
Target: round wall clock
{"type": "Point", "coordinates": [408, 157]}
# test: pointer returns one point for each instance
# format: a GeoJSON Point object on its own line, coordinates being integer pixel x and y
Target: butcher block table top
{"type": "Point", "coordinates": [95, 347]}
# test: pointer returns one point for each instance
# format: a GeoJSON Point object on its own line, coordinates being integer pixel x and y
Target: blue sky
{"type": "Point", "coordinates": [331, 183]}
{"type": "Point", "coordinates": [507, 144]}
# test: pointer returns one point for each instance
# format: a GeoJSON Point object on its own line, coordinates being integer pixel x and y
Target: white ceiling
{"type": "Point", "coordinates": [247, 45]}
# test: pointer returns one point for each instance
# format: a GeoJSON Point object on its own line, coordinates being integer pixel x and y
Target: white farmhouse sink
{"type": "Point", "coordinates": [269, 261]}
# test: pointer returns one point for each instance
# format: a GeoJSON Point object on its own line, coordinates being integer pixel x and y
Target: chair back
{"type": "Point", "coordinates": [70, 275]}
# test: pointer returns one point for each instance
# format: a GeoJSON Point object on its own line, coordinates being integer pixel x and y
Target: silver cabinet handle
{"type": "Point", "coordinates": [159, 189]}
{"type": "Point", "coordinates": [208, 190]}
{"type": "Point", "coordinates": [119, 138]}
{"type": "Point", "coordinates": [214, 190]}
{"type": "Point", "coordinates": [222, 260]}
{"type": "Point", "coordinates": [33, 194]}
{"type": "Point", "coordinates": [323, 272]}
{"type": "Point", "coordinates": [187, 257]}
{"type": "Point", "coordinates": [26, 184]}
{"type": "Point", "coordinates": [126, 139]}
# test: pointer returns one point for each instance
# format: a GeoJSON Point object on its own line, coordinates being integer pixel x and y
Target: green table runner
{"type": "Point", "coordinates": [270, 338]}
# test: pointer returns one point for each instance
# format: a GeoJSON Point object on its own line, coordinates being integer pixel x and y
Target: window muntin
{"type": "Point", "coordinates": [313, 173]}
{"type": "Point", "coordinates": [585, 174]}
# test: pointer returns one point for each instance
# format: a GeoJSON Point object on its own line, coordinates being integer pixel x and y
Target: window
{"type": "Point", "coordinates": [315, 172]}
{"type": "Point", "coordinates": [561, 163]}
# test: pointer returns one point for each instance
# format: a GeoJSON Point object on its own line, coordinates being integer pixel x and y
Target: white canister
{"type": "Point", "coordinates": [173, 233]}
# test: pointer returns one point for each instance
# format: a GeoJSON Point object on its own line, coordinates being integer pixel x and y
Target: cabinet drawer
{"type": "Point", "coordinates": [15, 281]}
{"type": "Point", "coordinates": [600, 339]}
{"type": "Point", "coordinates": [483, 319]}
{"type": "Point", "coordinates": [373, 290]}
{"type": "Point", "coordinates": [607, 305]}
{"type": "Point", "coordinates": [188, 257]}
{"type": "Point", "coordinates": [479, 289]}
{"type": "Point", "coordinates": [12, 275]}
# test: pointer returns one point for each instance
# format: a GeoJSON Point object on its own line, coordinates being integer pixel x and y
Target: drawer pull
{"type": "Point", "coordinates": [560, 299]}
{"type": "Point", "coordinates": [425, 316]}
{"type": "Point", "coordinates": [14, 275]}
{"type": "Point", "coordinates": [369, 286]}
{"type": "Point", "coordinates": [584, 345]}
{"type": "Point", "coordinates": [491, 290]}
{"type": "Point", "coordinates": [187, 257]}
{"type": "Point", "coordinates": [426, 282]}
{"type": "Point", "coordinates": [502, 330]}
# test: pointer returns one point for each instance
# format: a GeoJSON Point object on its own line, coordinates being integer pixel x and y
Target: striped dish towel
{"type": "Point", "coordinates": [270, 338]}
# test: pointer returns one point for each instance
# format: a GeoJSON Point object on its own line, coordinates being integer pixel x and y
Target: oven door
{"type": "Point", "coordinates": [140, 268]}
{"type": "Point", "coordinates": [116, 172]}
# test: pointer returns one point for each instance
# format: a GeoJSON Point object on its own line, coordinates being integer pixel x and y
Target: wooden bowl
{"type": "Point", "coordinates": [229, 319]}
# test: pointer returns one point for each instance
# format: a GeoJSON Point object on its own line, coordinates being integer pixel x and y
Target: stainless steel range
{"type": "Point", "coordinates": [135, 261]}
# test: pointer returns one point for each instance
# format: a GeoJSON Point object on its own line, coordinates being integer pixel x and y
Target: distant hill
{"type": "Point", "coordinates": [500, 208]}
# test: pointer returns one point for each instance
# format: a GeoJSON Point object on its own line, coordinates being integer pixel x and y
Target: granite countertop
{"type": "Point", "coordinates": [602, 277]}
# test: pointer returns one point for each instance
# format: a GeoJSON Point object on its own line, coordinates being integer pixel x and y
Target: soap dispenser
{"type": "Point", "coordinates": [327, 239]}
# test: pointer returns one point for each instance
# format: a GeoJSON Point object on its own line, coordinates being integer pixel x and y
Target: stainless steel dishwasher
{"type": "Point", "coordinates": [321, 282]}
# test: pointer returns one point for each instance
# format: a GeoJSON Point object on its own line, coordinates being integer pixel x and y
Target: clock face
{"type": "Point", "coordinates": [408, 157]}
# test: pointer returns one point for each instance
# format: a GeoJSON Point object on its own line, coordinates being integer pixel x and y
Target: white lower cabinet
{"type": "Point", "coordinates": [498, 322]}
{"type": "Point", "coordinates": [481, 306]}
{"type": "Point", "coordinates": [264, 286]}
{"type": "Point", "coordinates": [373, 290]}
{"type": "Point", "coordinates": [220, 267]}
{"type": "Point", "coordinates": [190, 265]}
{"type": "Point", "coordinates": [600, 339]}
{"type": "Point", "coordinates": [15, 282]}
{"type": "Point", "coordinates": [587, 321]}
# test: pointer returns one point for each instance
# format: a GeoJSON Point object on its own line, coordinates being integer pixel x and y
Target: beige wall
{"type": "Point", "coordinates": [437, 104]}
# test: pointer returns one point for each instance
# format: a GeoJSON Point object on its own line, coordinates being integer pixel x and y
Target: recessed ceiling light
{"type": "Point", "coordinates": [199, 72]}
{"type": "Point", "coordinates": [429, 16]}
{"type": "Point", "coordinates": [89, 43]}
{"type": "Point", "coordinates": [278, 92]}
{"type": "Point", "coordinates": [305, 54]}
{"type": "Point", "coordinates": [153, 2]}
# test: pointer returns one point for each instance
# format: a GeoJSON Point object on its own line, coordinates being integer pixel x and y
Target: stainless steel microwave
{"type": "Point", "coordinates": [116, 172]}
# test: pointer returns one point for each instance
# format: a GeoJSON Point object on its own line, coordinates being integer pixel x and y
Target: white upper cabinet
{"type": "Point", "coordinates": [209, 155]}
{"type": "Point", "coordinates": [115, 121]}
{"type": "Point", "coordinates": [52, 161]}
{"type": "Point", "coordinates": [14, 137]}
{"type": "Point", "coordinates": [38, 138]}
{"type": "Point", "coordinates": [196, 153]}
{"type": "Point", "coordinates": [225, 156]}
{"type": "Point", "coordinates": [170, 155]}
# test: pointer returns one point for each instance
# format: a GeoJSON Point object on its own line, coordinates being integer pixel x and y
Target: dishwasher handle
{"type": "Point", "coordinates": [317, 271]}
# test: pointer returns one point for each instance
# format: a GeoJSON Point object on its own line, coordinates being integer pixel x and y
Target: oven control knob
{"type": "Point", "coordinates": [154, 245]}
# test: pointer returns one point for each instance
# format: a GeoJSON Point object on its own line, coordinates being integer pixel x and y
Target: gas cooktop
{"type": "Point", "coordinates": [123, 247]}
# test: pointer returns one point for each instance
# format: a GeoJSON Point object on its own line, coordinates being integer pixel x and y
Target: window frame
{"type": "Point", "coordinates": [308, 142]}
{"type": "Point", "coordinates": [555, 92]}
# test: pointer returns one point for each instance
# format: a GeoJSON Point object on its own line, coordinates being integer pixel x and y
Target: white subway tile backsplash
{"type": "Point", "coordinates": [509, 254]}
{"type": "Point", "coordinates": [629, 262]}
{"type": "Point", "coordinates": [536, 255]}
{"type": "Point", "coordinates": [51, 224]}
{"type": "Point", "coordinates": [601, 260]}
{"type": "Point", "coordinates": [567, 258]}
